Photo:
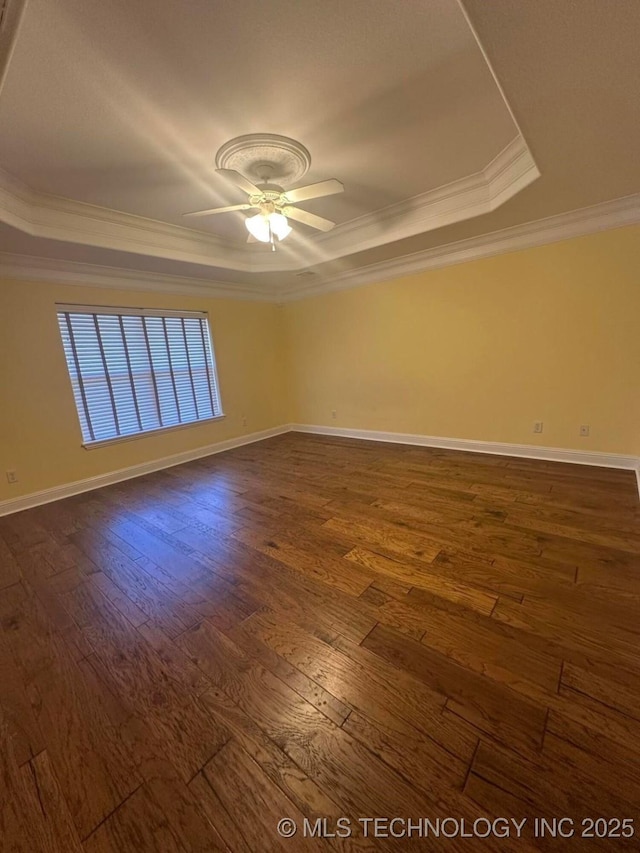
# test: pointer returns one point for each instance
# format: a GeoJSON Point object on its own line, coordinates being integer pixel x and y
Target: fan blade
{"type": "Point", "coordinates": [308, 218]}
{"type": "Point", "coordinates": [240, 181]}
{"type": "Point", "coordinates": [219, 210]}
{"type": "Point", "coordinates": [315, 190]}
{"type": "Point", "coordinates": [251, 239]}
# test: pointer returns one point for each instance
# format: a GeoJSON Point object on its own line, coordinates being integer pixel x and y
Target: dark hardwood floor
{"type": "Point", "coordinates": [312, 627]}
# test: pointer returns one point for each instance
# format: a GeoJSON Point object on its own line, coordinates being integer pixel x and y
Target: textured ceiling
{"type": "Point", "coordinates": [124, 105]}
{"type": "Point", "coordinates": [570, 71]}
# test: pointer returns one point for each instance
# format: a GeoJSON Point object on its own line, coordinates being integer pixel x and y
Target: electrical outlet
{"type": "Point", "coordinates": [584, 430]}
{"type": "Point", "coordinates": [333, 414]}
{"type": "Point", "coordinates": [537, 426]}
{"type": "Point", "coordinates": [244, 420]}
{"type": "Point", "coordinates": [12, 477]}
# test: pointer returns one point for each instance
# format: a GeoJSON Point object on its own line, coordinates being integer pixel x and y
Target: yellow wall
{"type": "Point", "coordinates": [478, 351]}
{"type": "Point", "coordinates": [482, 350]}
{"type": "Point", "coordinates": [39, 432]}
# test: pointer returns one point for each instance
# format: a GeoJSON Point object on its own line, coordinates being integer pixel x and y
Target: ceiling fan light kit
{"type": "Point", "coordinates": [252, 163]}
{"type": "Point", "coordinates": [264, 226]}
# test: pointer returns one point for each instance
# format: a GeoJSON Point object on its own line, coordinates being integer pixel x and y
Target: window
{"type": "Point", "coordinates": [134, 371]}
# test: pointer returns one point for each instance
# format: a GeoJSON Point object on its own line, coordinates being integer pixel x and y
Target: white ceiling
{"type": "Point", "coordinates": [123, 106]}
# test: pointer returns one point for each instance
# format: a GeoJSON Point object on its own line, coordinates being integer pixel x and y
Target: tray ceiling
{"type": "Point", "coordinates": [112, 113]}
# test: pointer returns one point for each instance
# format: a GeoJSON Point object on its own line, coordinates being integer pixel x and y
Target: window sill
{"type": "Point", "coordinates": [94, 445]}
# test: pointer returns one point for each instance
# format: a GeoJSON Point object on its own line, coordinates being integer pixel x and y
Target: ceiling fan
{"type": "Point", "coordinates": [274, 205]}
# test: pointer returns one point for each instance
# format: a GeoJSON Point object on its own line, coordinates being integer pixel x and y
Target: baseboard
{"type": "Point", "coordinates": [527, 451]}
{"type": "Point", "coordinates": [66, 491]}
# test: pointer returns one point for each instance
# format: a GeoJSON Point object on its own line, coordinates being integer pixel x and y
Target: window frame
{"type": "Point", "coordinates": [128, 311]}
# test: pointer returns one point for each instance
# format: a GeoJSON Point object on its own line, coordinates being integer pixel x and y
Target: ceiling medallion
{"type": "Point", "coordinates": [254, 163]}
{"type": "Point", "coordinates": [286, 160]}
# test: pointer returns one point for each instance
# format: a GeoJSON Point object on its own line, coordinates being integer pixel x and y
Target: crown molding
{"type": "Point", "coordinates": [577, 223]}
{"type": "Point", "coordinates": [57, 218]}
{"type": "Point", "coordinates": [56, 271]}
{"type": "Point", "coordinates": [513, 169]}
{"type": "Point", "coordinates": [564, 226]}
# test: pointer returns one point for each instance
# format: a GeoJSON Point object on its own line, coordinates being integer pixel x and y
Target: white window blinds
{"type": "Point", "coordinates": [133, 371]}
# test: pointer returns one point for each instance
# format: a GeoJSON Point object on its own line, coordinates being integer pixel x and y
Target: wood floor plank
{"type": "Point", "coordinates": [373, 687]}
{"type": "Point", "coordinates": [325, 568]}
{"type": "Point", "coordinates": [585, 746]}
{"type": "Point", "coordinates": [195, 589]}
{"type": "Point", "coordinates": [156, 817]}
{"type": "Point", "coordinates": [586, 635]}
{"type": "Point", "coordinates": [314, 693]}
{"type": "Point", "coordinates": [149, 599]}
{"type": "Point", "coordinates": [613, 687]}
{"type": "Point", "coordinates": [117, 597]}
{"type": "Point", "coordinates": [308, 797]}
{"type": "Point", "coordinates": [502, 575]}
{"type": "Point", "coordinates": [485, 703]}
{"type": "Point", "coordinates": [489, 532]}
{"type": "Point", "coordinates": [619, 731]}
{"type": "Point", "coordinates": [94, 771]}
{"type": "Point", "coordinates": [42, 590]}
{"type": "Point", "coordinates": [134, 672]}
{"type": "Point", "coordinates": [373, 535]}
{"type": "Point", "coordinates": [251, 802]}
{"type": "Point", "coordinates": [16, 710]}
{"type": "Point", "coordinates": [409, 752]}
{"type": "Point", "coordinates": [259, 578]}
{"type": "Point", "coordinates": [323, 750]}
{"type": "Point", "coordinates": [21, 825]}
{"type": "Point", "coordinates": [59, 831]}
{"type": "Point", "coordinates": [9, 569]}
{"type": "Point", "coordinates": [480, 645]}
{"type": "Point", "coordinates": [177, 665]}
{"type": "Point", "coordinates": [624, 537]}
{"type": "Point", "coordinates": [21, 531]}
{"type": "Point", "coordinates": [218, 814]}
{"type": "Point", "coordinates": [423, 581]}
{"type": "Point", "coordinates": [29, 634]}
{"type": "Point", "coordinates": [322, 627]}
{"type": "Point", "coordinates": [503, 781]}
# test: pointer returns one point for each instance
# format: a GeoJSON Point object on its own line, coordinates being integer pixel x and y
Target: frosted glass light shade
{"type": "Point", "coordinates": [279, 225]}
{"type": "Point", "coordinates": [261, 227]}
{"type": "Point", "coordinates": [258, 227]}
